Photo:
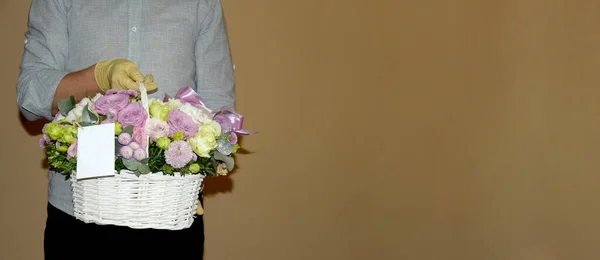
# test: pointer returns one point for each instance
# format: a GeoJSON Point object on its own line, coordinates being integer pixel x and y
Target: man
{"type": "Point", "coordinates": [78, 47]}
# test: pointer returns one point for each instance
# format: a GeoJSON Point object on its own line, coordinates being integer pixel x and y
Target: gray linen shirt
{"type": "Point", "coordinates": [181, 42]}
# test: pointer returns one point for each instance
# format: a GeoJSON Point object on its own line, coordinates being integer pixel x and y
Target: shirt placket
{"type": "Point", "coordinates": [135, 19]}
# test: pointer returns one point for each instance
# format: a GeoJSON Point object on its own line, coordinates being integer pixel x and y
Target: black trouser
{"type": "Point", "coordinates": [68, 238]}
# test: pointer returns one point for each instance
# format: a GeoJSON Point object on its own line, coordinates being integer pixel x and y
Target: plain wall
{"type": "Point", "coordinates": [389, 129]}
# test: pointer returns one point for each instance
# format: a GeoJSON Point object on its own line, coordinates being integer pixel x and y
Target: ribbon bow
{"type": "Point", "coordinates": [188, 95]}
{"type": "Point", "coordinates": [231, 121]}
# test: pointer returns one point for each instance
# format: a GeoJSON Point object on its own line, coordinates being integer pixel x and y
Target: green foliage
{"type": "Point", "coordinates": [66, 105]}
{"type": "Point", "coordinates": [137, 167]}
{"type": "Point", "coordinates": [128, 129]}
{"type": "Point", "coordinates": [58, 161]}
{"type": "Point", "coordinates": [119, 164]}
{"type": "Point", "coordinates": [88, 116]}
{"type": "Point", "coordinates": [155, 158]}
{"type": "Point", "coordinates": [227, 159]}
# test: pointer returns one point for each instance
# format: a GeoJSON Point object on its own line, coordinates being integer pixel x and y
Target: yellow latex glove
{"type": "Point", "coordinates": [200, 210]}
{"type": "Point", "coordinates": [149, 84]}
{"type": "Point", "coordinates": [120, 74]}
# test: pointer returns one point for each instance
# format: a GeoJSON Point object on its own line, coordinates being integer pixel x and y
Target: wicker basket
{"type": "Point", "coordinates": [149, 201]}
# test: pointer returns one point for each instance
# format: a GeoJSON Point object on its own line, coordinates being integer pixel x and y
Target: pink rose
{"type": "Point", "coordinates": [181, 122]}
{"type": "Point", "coordinates": [111, 103]}
{"type": "Point", "coordinates": [131, 92]}
{"type": "Point", "coordinates": [133, 114]}
{"type": "Point", "coordinates": [140, 137]}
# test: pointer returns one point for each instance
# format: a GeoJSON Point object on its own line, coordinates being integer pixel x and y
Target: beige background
{"type": "Point", "coordinates": [388, 130]}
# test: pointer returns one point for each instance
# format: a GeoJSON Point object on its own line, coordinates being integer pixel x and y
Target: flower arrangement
{"type": "Point", "coordinates": [174, 135]}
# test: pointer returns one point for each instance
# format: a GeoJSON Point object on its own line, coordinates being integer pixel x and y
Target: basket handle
{"type": "Point", "coordinates": [145, 103]}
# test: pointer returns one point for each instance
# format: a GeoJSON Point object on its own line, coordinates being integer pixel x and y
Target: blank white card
{"type": "Point", "coordinates": [96, 151]}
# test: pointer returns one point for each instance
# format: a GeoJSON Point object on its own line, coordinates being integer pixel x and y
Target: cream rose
{"type": "Point", "coordinates": [206, 138]}
{"type": "Point", "coordinates": [197, 114]}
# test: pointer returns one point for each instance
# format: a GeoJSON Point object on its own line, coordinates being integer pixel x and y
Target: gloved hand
{"type": "Point", "coordinates": [120, 74]}
{"type": "Point", "coordinates": [149, 83]}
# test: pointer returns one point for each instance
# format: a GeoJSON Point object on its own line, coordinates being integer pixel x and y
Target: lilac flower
{"type": "Point", "coordinates": [134, 145]}
{"type": "Point", "coordinates": [139, 154]}
{"type": "Point", "coordinates": [133, 114]}
{"type": "Point", "coordinates": [72, 151]}
{"type": "Point", "coordinates": [181, 122]}
{"type": "Point", "coordinates": [124, 138]}
{"type": "Point", "coordinates": [44, 140]}
{"type": "Point", "coordinates": [112, 103]}
{"type": "Point", "coordinates": [126, 152]}
{"type": "Point", "coordinates": [179, 154]}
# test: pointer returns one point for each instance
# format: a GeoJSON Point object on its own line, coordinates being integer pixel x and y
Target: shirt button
{"type": "Point", "coordinates": [134, 29]}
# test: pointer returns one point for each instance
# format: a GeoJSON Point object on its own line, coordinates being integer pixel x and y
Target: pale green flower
{"type": "Point", "coordinates": [178, 136]}
{"type": "Point", "coordinates": [203, 143]}
{"type": "Point", "coordinates": [54, 130]}
{"type": "Point", "coordinates": [67, 138]}
{"type": "Point", "coordinates": [71, 129]}
{"type": "Point", "coordinates": [69, 134]}
{"type": "Point", "coordinates": [118, 128]}
{"type": "Point", "coordinates": [63, 148]}
{"type": "Point", "coordinates": [210, 127]}
{"type": "Point", "coordinates": [163, 142]}
{"type": "Point", "coordinates": [159, 110]}
{"type": "Point", "coordinates": [195, 168]}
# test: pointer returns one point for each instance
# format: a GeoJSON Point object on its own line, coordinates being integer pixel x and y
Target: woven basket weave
{"type": "Point", "coordinates": [149, 201]}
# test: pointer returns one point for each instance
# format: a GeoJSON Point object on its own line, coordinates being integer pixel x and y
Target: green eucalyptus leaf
{"type": "Point", "coordinates": [131, 164]}
{"type": "Point", "coordinates": [66, 105]}
{"type": "Point", "coordinates": [128, 129]}
{"type": "Point", "coordinates": [227, 159]}
{"type": "Point", "coordinates": [143, 169]}
{"type": "Point", "coordinates": [117, 147]}
{"type": "Point", "coordinates": [88, 116]}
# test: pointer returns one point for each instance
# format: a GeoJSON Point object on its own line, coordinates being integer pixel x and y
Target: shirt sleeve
{"type": "Point", "coordinates": [44, 56]}
{"type": "Point", "coordinates": [214, 69]}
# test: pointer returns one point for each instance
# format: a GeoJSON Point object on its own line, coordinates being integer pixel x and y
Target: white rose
{"type": "Point", "coordinates": [96, 97]}
{"type": "Point", "coordinates": [174, 103]}
{"type": "Point", "coordinates": [199, 115]}
{"type": "Point", "coordinates": [76, 113]}
{"type": "Point", "coordinates": [58, 117]}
